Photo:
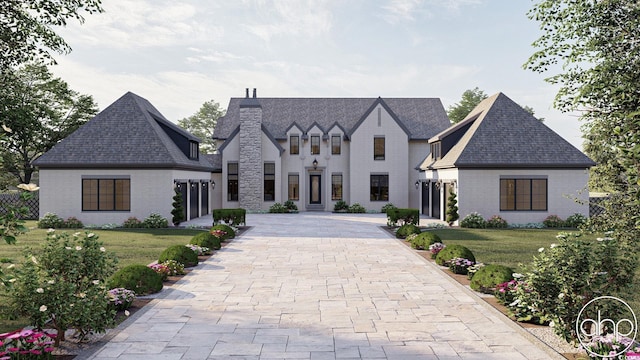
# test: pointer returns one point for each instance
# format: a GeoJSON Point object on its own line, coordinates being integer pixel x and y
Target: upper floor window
{"type": "Point", "coordinates": [294, 144]}
{"type": "Point", "coordinates": [315, 144]}
{"type": "Point", "coordinates": [335, 144]}
{"type": "Point", "coordinates": [435, 150]}
{"type": "Point", "coordinates": [193, 150]}
{"type": "Point", "coordinates": [232, 181]}
{"type": "Point", "coordinates": [523, 194]}
{"type": "Point", "coordinates": [106, 194]}
{"type": "Point", "coordinates": [378, 148]}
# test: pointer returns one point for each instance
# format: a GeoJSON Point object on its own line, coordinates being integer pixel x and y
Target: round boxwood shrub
{"type": "Point", "coordinates": [226, 228]}
{"type": "Point", "coordinates": [452, 252]}
{"type": "Point", "coordinates": [181, 254]}
{"type": "Point", "coordinates": [486, 279]}
{"type": "Point", "coordinates": [138, 278]}
{"type": "Point", "coordinates": [206, 239]}
{"type": "Point", "coordinates": [50, 221]}
{"type": "Point", "coordinates": [406, 230]}
{"type": "Point", "coordinates": [473, 221]}
{"type": "Point", "coordinates": [423, 240]}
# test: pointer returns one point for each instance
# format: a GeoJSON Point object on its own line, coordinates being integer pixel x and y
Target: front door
{"type": "Point", "coordinates": [315, 192]}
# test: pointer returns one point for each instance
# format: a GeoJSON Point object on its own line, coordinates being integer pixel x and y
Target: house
{"type": "Point", "coordinates": [318, 151]}
{"type": "Point", "coordinates": [501, 160]}
{"type": "Point", "coordinates": [125, 162]}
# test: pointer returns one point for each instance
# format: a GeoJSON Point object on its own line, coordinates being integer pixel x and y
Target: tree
{"type": "Point", "coordinates": [178, 211]}
{"type": "Point", "coordinates": [470, 99]}
{"type": "Point", "coordinates": [596, 47]}
{"type": "Point", "coordinates": [26, 28]}
{"type": "Point", "coordinates": [41, 110]}
{"type": "Point", "coordinates": [202, 123]}
{"type": "Point", "coordinates": [452, 208]}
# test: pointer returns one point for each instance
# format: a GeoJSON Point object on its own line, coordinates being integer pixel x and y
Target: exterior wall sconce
{"type": "Point", "coordinates": [213, 184]}
{"type": "Point", "coordinates": [315, 164]}
{"type": "Point", "coordinates": [417, 184]}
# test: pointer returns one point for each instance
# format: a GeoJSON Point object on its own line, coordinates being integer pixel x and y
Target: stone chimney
{"type": "Point", "coordinates": [250, 168]}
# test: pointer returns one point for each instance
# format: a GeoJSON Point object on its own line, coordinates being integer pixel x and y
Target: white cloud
{"type": "Point", "coordinates": [401, 10]}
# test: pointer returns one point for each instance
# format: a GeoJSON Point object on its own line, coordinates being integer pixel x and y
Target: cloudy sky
{"type": "Point", "coordinates": [180, 53]}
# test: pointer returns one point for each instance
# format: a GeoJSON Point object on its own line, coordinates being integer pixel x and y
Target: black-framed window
{"type": "Point", "coordinates": [336, 186]}
{"type": "Point", "coordinates": [315, 144]}
{"type": "Point", "coordinates": [378, 148]}
{"type": "Point", "coordinates": [269, 181]}
{"type": "Point", "coordinates": [335, 144]}
{"type": "Point", "coordinates": [106, 194]}
{"type": "Point", "coordinates": [194, 151]}
{"type": "Point", "coordinates": [294, 187]}
{"type": "Point", "coordinates": [232, 181]}
{"type": "Point", "coordinates": [435, 150]}
{"type": "Point", "coordinates": [294, 144]}
{"type": "Point", "coordinates": [379, 187]}
{"type": "Point", "coordinates": [518, 194]}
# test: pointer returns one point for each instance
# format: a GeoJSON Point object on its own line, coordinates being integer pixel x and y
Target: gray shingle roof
{"type": "Point", "coordinates": [130, 133]}
{"type": "Point", "coordinates": [420, 117]}
{"type": "Point", "coordinates": [500, 133]}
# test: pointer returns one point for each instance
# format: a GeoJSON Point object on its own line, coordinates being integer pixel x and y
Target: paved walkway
{"type": "Point", "coordinates": [318, 286]}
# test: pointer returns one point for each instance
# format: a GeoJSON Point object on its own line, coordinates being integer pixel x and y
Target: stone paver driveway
{"type": "Point", "coordinates": [318, 286]}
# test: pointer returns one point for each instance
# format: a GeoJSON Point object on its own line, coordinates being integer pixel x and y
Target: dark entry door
{"type": "Point", "coordinates": [435, 201]}
{"type": "Point", "coordinates": [315, 191]}
{"type": "Point", "coordinates": [193, 198]}
{"type": "Point", "coordinates": [425, 197]}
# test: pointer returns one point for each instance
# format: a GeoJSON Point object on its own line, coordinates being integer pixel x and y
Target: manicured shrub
{"type": "Point", "coordinates": [341, 205]}
{"type": "Point", "coordinates": [386, 207]}
{"type": "Point", "coordinates": [474, 221]}
{"type": "Point", "coordinates": [423, 240]}
{"type": "Point", "coordinates": [488, 277]}
{"type": "Point", "coordinates": [132, 223]}
{"type": "Point", "coordinates": [277, 208]}
{"type": "Point", "coordinates": [155, 221]}
{"type": "Point", "coordinates": [181, 254]}
{"type": "Point", "coordinates": [50, 221]}
{"type": "Point", "coordinates": [72, 223]}
{"type": "Point", "coordinates": [454, 251]}
{"type": "Point", "coordinates": [206, 239]}
{"type": "Point", "coordinates": [553, 221]}
{"type": "Point", "coordinates": [575, 221]}
{"type": "Point", "coordinates": [177, 211]}
{"type": "Point", "coordinates": [229, 232]}
{"type": "Point", "coordinates": [357, 209]}
{"type": "Point", "coordinates": [452, 208]}
{"type": "Point", "coordinates": [233, 217]}
{"type": "Point", "coordinates": [405, 216]}
{"type": "Point", "coordinates": [290, 206]}
{"type": "Point", "coordinates": [496, 222]}
{"type": "Point", "coordinates": [140, 279]}
{"type": "Point", "coordinates": [406, 230]}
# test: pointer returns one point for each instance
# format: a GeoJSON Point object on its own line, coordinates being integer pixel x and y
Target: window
{"type": "Point", "coordinates": [193, 150]}
{"type": "Point", "coordinates": [435, 150]}
{"type": "Point", "coordinates": [523, 194]}
{"type": "Point", "coordinates": [232, 181]}
{"type": "Point", "coordinates": [315, 144]}
{"type": "Point", "coordinates": [335, 144]}
{"type": "Point", "coordinates": [106, 194]}
{"type": "Point", "coordinates": [379, 188]}
{"type": "Point", "coordinates": [336, 186]}
{"type": "Point", "coordinates": [294, 187]}
{"type": "Point", "coordinates": [378, 148]}
{"type": "Point", "coordinates": [269, 181]}
{"type": "Point", "coordinates": [294, 145]}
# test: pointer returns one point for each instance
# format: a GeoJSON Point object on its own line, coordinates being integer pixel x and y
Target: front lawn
{"type": "Point", "coordinates": [131, 246]}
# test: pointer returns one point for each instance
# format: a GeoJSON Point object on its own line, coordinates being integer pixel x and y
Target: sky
{"type": "Point", "coordinates": [180, 53]}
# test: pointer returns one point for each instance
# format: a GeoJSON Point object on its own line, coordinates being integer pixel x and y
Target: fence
{"type": "Point", "coordinates": [14, 199]}
{"type": "Point", "coordinates": [595, 207]}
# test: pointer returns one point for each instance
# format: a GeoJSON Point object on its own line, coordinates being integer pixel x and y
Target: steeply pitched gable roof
{"type": "Point", "coordinates": [130, 133]}
{"type": "Point", "coordinates": [421, 117]}
{"type": "Point", "coordinates": [500, 133]}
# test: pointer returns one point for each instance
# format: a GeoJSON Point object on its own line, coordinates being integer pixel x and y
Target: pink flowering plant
{"type": "Point", "coordinates": [219, 233]}
{"type": "Point", "coordinates": [26, 344]}
{"type": "Point", "coordinates": [161, 270]}
{"type": "Point", "coordinates": [435, 248]}
{"type": "Point", "coordinates": [121, 298]}
{"type": "Point", "coordinates": [174, 267]}
{"type": "Point", "coordinates": [460, 265]}
{"type": "Point", "coordinates": [610, 347]}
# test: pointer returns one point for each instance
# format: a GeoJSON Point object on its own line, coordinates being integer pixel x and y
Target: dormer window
{"type": "Point", "coordinates": [435, 150]}
{"type": "Point", "coordinates": [194, 152]}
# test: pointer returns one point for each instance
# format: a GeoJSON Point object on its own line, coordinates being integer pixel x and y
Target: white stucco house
{"type": "Point", "coordinates": [317, 151]}
{"type": "Point", "coordinates": [125, 162]}
{"type": "Point", "coordinates": [501, 160]}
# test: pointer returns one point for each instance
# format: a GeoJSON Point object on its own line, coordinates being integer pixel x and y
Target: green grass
{"type": "Point", "coordinates": [131, 246]}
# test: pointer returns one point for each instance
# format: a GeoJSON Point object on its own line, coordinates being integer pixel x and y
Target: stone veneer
{"type": "Point", "coordinates": [250, 163]}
